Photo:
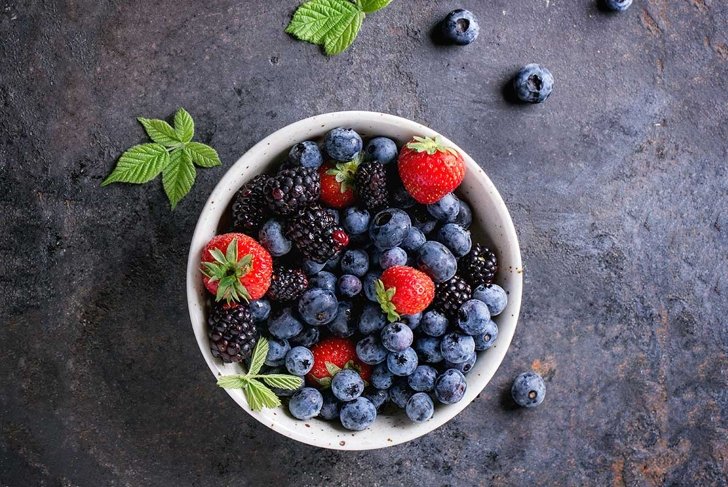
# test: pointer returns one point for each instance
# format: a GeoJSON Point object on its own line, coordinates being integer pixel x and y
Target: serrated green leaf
{"type": "Point", "coordinates": [283, 381]}
{"type": "Point", "coordinates": [259, 396]}
{"type": "Point", "coordinates": [344, 35]}
{"type": "Point", "coordinates": [160, 132]}
{"type": "Point", "coordinates": [260, 352]}
{"type": "Point", "coordinates": [184, 126]}
{"type": "Point", "coordinates": [203, 155]}
{"type": "Point", "coordinates": [331, 23]}
{"type": "Point", "coordinates": [140, 164]}
{"type": "Point", "coordinates": [369, 6]}
{"type": "Point", "coordinates": [232, 381]}
{"type": "Point", "coordinates": [178, 176]}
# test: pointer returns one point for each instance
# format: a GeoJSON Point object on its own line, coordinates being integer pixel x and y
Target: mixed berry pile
{"type": "Point", "coordinates": [356, 262]}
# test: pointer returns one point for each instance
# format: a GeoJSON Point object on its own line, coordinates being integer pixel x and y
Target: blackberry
{"type": "Point", "coordinates": [450, 295]}
{"type": "Point", "coordinates": [286, 284]}
{"type": "Point", "coordinates": [479, 266]}
{"type": "Point", "coordinates": [232, 333]}
{"type": "Point", "coordinates": [371, 185]}
{"type": "Point", "coordinates": [315, 234]}
{"type": "Point", "coordinates": [292, 190]}
{"type": "Point", "coordinates": [249, 206]}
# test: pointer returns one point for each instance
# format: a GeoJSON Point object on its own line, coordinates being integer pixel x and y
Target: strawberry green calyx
{"type": "Point", "coordinates": [430, 145]}
{"type": "Point", "coordinates": [344, 173]}
{"type": "Point", "coordinates": [333, 369]}
{"type": "Point", "coordinates": [384, 297]}
{"type": "Point", "coordinates": [227, 269]}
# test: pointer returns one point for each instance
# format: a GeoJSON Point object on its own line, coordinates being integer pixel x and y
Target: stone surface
{"type": "Point", "coordinates": [617, 185]}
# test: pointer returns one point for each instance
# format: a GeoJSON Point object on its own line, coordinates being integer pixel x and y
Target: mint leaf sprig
{"type": "Point", "coordinates": [257, 393]}
{"type": "Point", "coordinates": [173, 154]}
{"type": "Point", "coordinates": [333, 24]}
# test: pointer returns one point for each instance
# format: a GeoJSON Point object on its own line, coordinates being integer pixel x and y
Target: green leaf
{"type": "Point", "coordinates": [231, 253]}
{"type": "Point", "coordinates": [332, 368]}
{"type": "Point", "coordinates": [259, 396]}
{"type": "Point", "coordinates": [232, 381]}
{"type": "Point", "coordinates": [369, 6]}
{"type": "Point", "coordinates": [339, 40]}
{"type": "Point", "coordinates": [160, 132]}
{"type": "Point", "coordinates": [283, 381]}
{"type": "Point", "coordinates": [184, 125]}
{"type": "Point", "coordinates": [179, 176]}
{"type": "Point", "coordinates": [260, 352]}
{"type": "Point", "coordinates": [140, 164]}
{"type": "Point", "coordinates": [203, 155]}
{"type": "Point", "coordinates": [331, 23]}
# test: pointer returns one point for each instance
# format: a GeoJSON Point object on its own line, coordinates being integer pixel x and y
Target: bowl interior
{"type": "Point", "coordinates": [492, 225]}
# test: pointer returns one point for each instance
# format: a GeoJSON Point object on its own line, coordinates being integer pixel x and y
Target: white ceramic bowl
{"type": "Point", "coordinates": [491, 224]}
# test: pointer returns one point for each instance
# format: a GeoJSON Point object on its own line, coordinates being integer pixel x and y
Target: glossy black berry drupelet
{"type": "Point", "coordinates": [232, 333]}
{"type": "Point", "coordinates": [250, 209]}
{"type": "Point", "coordinates": [292, 190]}
{"type": "Point", "coordinates": [479, 266]}
{"type": "Point", "coordinates": [286, 284]}
{"type": "Point", "coordinates": [371, 185]}
{"type": "Point", "coordinates": [315, 234]}
{"type": "Point", "coordinates": [450, 295]}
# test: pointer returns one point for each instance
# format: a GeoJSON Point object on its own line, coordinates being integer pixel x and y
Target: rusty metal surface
{"type": "Point", "coordinates": [618, 186]}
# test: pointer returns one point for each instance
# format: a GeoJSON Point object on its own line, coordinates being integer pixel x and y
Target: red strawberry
{"type": "Point", "coordinates": [235, 267]}
{"type": "Point", "coordinates": [337, 183]}
{"type": "Point", "coordinates": [331, 355]}
{"type": "Point", "coordinates": [429, 170]}
{"type": "Point", "coordinates": [402, 290]}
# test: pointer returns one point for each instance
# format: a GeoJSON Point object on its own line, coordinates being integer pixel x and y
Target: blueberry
{"type": "Point", "coordinates": [434, 323]}
{"type": "Point", "coordinates": [307, 338]}
{"type": "Point", "coordinates": [455, 238]}
{"type": "Point", "coordinates": [370, 350]}
{"type": "Point", "coordinates": [428, 349]}
{"type": "Point", "coordinates": [533, 83]}
{"type": "Point", "coordinates": [318, 306]}
{"type": "Point", "coordinates": [331, 406]}
{"type": "Point", "coordinates": [349, 286]}
{"type": "Point", "coordinates": [259, 310]}
{"type": "Point", "coordinates": [356, 220]}
{"type": "Point", "coordinates": [355, 262]}
{"type": "Point", "coordinates": [528, 390]}
{"type": "Point", "coordinates": [485, 340]}
{"type": "Point", "coordinates": [446, 209]}
{"type": "Point", "coordinates": [473, 317]}
{"type": "Point", "coordinates": [413, 240]}
{"type": "Point", "coordinates": [423, 378]}
{"type": "Point", "coordinates": [617, 5]}
{"type": "Point", "coordinates": [422, 220]}
{"type": "Point", "coordinates": [342, 144]}
{"type": "Point", "coordinates": [283, 324]}
{"type": "Point", "coordinates": [377, 396]}
{"type": "Point", "coordinates": [402, 363]}
{"type": "Point", "coordinates": [372, 319]}
{"type": "Point", "coordinates": [323, 280]}
{"type": "Point", "coordinates": [460, 27]}
{"type": "Point", "coordinates": [370, 285]}
{"type": "Point", "coordinates": [412, 321]}
{"type": "Point", "coordinates": [397, 337]}
{"type": "Point", "coordinates": [382, 378]}
{"type": "Point", "coordinates": [343, 325]}
{"type": "Point", "coordinates": [389, 227]}
{"type": "Point", "coordinates": [306, 403]}
{"type": "Point", "coordinates": [306, 154]}
{"type": "Point", "coordinates": [272, 238]}
{"type": "Point", "coordinates": [463, 367]}
{"type": "Point", "coordinates": [358, 414]}
{"type": "Point", "coordinates": [299, 361]}
{"type": "Point", "coordinates": [465, 215]}
{"type": "Point", "coordinates": [277, 350]}
{"type": "Point", "coordinates": [456, 348]}
{"type": "Point", "coordinates": [400, 393]}
{"type": "Point", "coordinates": [419, 407]}
{"type": "Point", "coordinates": [436, 260]}
{"type": "Point", "coordinates": [311, 267]}
{"type": "Point", "coordinates": [380, 149]}
{"type": "Point", "coordinates": [332, 265]}
{"type": "Point", "coordinates": [450, 387]}
{"type": "Point", "coordinates": [402, 199]}
{"type": "Point", "coordinates": [347, 385]}
{"type": "Point", "coordinates": [392, 257]}
{"type": "Point", "coordinates": [493, 296]}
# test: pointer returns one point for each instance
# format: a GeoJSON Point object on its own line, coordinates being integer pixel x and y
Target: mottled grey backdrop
{"type": "Point", "coordinates": [617, 185]}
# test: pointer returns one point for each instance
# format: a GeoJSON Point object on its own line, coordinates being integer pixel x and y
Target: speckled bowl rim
{"type": "Point", "coordinates": [491, 220]}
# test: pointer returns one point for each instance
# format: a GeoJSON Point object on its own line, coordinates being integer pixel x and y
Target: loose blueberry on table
{"type": "Point", "coordinates": [355, 265]}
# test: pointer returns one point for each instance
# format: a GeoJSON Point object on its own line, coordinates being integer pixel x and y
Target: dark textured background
{"type": "Point", "coordinates": [617, 185]}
